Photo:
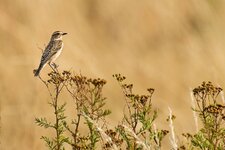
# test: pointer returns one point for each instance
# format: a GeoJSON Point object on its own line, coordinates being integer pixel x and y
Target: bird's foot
{"type": "Point", "coordinates": [54, 65]}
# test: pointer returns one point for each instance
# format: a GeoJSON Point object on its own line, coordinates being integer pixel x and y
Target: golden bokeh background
{"type": "Point", "coordinates": [171, 46]}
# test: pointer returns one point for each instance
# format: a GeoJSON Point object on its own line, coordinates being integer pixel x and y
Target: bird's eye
{"type": "Point", "coordinates": [56, 34]}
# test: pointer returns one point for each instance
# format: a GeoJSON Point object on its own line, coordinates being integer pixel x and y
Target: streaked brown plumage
{"type": "Point", "coordinates": [52, 51]}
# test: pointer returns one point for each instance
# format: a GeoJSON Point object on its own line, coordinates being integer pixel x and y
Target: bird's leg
{"type": "Point", "coordinates": [53, 66]}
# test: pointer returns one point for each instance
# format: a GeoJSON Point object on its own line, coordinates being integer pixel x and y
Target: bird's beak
{"type": "Point", "coordinates": [64, 33]}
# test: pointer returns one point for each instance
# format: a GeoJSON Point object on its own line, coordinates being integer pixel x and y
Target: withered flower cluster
{"type": "Point", "coordinates": [141, 99]}
{"type": "Point", "coordinates": [216, 110]}
{"type": "Point", "coordinates": [206, 89]}
{"type": "Point", "coordinates": [119, 77]}
{"type": "Point", "coordinates": [206, 95]}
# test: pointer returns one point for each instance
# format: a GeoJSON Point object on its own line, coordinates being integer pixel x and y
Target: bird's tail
{"type": "Point", "coordinates": [36, 72]}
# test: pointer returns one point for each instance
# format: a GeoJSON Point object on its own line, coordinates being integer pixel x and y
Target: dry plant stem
{"type": "Point", "coordinates": [139, 141]}
{"type": "Point", "coordinates": [101, 131]}
{"type": "Point", "coordinates": [77, 127]}
{"type": "Point", "coordinates": [55, 103]}
{"type": "Point", "coordinates": [172, 139]}
{"type": "Point", "coordinates": [194, 110]}
{"type": "Point", "coordinates": [222, 96]}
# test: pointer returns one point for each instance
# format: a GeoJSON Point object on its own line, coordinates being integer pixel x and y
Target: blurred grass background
{"type": "Point", "coordinates": [171, 46]}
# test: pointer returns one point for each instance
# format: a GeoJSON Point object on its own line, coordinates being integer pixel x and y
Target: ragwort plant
{"type": "Point", "coordinates": [212, 115]}
{"type": "Point", "coordinates": [57, 83]}
{"type": "Point", "coordinates": [136, 128]}
{"type": "Point", "coordinates": [87, 94]}
{"type": "Point", "coordinates": [89, 103]}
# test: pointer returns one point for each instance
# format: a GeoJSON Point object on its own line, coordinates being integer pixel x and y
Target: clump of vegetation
{"type": "Point", "coordinates": [89, 102]}
{"type": "Point", "coordinates": [135, 130]}
{"type": "Point", "coordinates": [212, 115]}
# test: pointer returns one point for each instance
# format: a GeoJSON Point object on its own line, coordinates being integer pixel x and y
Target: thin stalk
{"type": "Point", "coordinates": [173, 140]}
{"type": "Point", "coordinates": [56, 117]}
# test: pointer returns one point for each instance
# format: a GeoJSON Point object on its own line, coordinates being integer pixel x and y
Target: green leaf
{"type": "Point", "coordinates": [42, 122]}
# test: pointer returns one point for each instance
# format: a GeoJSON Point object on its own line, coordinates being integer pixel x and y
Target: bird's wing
{"type": "Point", "coordinates": [52, 48]}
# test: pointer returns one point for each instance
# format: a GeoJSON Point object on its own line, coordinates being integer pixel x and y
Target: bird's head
{"type": "Point", "coordinates": [57, 35]}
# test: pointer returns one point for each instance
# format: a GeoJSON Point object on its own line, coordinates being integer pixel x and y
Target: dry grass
{"type": "Point", "coordinates": [167, 45]}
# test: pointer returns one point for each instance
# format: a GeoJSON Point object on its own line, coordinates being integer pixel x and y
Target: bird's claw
{"type": "Point", "coordinates": [55, 65]}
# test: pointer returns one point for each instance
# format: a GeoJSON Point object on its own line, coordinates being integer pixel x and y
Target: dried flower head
{"type": "Point", "coordinates": [119, 77]}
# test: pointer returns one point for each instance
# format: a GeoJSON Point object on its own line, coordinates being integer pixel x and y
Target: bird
{"type": "Point", "coordinates": [52, 51]}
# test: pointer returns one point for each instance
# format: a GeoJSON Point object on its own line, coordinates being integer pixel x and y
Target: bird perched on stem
{"type": "Point", "coordinates": [52, 51]}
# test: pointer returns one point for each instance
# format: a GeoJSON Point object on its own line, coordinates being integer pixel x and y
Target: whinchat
{"type": "Point", "coordinates": [52, 51]}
